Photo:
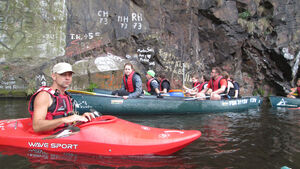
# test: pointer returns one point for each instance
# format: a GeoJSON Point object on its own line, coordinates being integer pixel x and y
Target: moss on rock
{"type": "Point", "coordinates": [13, 93]}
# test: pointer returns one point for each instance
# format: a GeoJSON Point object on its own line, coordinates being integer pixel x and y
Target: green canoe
{"type": "Point", "coordinates": [278, 101]}
{"type": "Point", "coordinates": [149, 105]}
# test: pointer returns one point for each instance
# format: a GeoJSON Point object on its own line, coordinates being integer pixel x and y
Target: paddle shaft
{"type": "Point", "coordinates": [183, 72]}
{"type": "Point", "coordinates": [195, 98]}
{"type": "Point", "coordinates": [193, 88]}
{"type": "Point", "coordinates": [91, 93]}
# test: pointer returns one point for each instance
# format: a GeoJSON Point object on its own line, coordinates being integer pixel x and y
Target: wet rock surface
{"type": "Point", "coordinates": [256, 41]}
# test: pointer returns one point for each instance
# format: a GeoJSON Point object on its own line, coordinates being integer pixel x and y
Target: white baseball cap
{"type": "Point", "coordinates": [61, 68]}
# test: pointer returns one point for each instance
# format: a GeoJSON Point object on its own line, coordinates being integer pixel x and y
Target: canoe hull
{"type": "Point", "coordinates": [106, 135]}
{"type": "Point", "coordinates": [152, 105]}
{"type": "Point", "coordinates": [278, 101]}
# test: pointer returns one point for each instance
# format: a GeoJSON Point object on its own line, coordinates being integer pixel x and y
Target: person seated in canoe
{"type": "Point", "coordinates": [196, 86]}
{"type": "Point", "coordinates": [131, 84]}
{"type": "Point", "coordinates": [152, 84]}
{"type": "Point", "coordinates": [164, 84]}
{"type": "Point", "coordinates": [295, 92]}
{"type": "Point", "coordinates": [204, 82]}
{"type": "Point", "coordinates": [51, 107]}
{"type": "Point", "coordinates": [233, 88]}
{"type": "Point", "coordinates": [217, 83]}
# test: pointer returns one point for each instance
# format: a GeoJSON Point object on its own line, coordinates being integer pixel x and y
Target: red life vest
{"type": "Point", "coordinates": [197, 84]}
{"type": "Point", "coordinates": [298, 90]}
{"type": "Point", "coordinates": [149, 84]}
{"type": "Point", "coordinates": [60, 107]}
{"type": "Point", "coordinates": [161, 82]}
{"type": "Point", "coordinates": [201, 87]}
{"type": "Point", "coordinates": [215, 84]}
{"type": "Point", "coordinates": [129, 83]}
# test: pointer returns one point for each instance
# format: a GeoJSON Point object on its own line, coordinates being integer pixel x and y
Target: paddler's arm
{"type": "Point", "coordinates": [164, 90]}
{"type": "Point", "coordinates": [185, 88]}
{"type": "Point", "coordinates": [157, 91]}
{"type": "Point", "coordinates": [236, 90]}
{"type": "Point", "coordinates": [155, 85]}
{"type": "Point", "coordinates": [236, 93]}
{"type": "Point", "coordinates": [202, 93]}
{"type": "Point", "coordinates": [39, 123]}
{"type": "Point", "coordinates": [293, 93]}
{"type": "Point", "coordinates": [204, 90]}
{"type": "Point", "coordinates": [293, 90]}
{"type": "Point", "coordinates": [194, 90]}
{"type": "Point", "coordinates": [223, 84]}
{"type": "Point", "coordinates": [221, 90]}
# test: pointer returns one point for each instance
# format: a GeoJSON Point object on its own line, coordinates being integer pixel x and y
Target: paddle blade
{"type": "Point", "coordinates": [95, 112]}
{"type": "Point", "coordinates": [70, 130]}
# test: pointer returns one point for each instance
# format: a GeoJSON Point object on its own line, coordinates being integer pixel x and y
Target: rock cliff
{"type": "Point", "coordinates": [256, 41]}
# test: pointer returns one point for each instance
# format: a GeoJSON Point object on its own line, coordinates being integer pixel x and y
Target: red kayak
{"type": "Point", "coordinates": [104, 135]}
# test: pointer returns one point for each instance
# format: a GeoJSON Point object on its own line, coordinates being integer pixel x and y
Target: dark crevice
{"type": "Point", "coordinates": [268, 9]}
{"type": "Point", "coordinates": [242, 7]}
{"type": "Point", "coordinates": [208, 14]}
{"type": "Point", "coordinates": [282, 64]}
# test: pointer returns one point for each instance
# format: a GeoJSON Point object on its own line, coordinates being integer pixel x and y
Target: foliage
{"type": "Point", "coordinates": [12, 93]}
{"type": "Point", "coordinates": [4, 92]}
{"type": "Point", "coordinates": [244, 15]}
{"type": "Point", "coordinates": [6, 67]}
{"type": "Point", "coordinates": [250, 75]}
{"type": "Point", "coordinates": [30, 91]}
{"type": "Point", "coordinates": [259, 91]}
{"type": "Point", "coordinates": [18, 93]}
{"type": "Point", "coordinates": [31, 88]}
{"type": "Point", "coordinates": [91, 87]}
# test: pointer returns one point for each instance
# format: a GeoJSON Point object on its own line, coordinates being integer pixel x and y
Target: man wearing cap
{"type": "Point", "coordinates": [51, 107]}
{"type": "Point", "coordinates": [152, 83]}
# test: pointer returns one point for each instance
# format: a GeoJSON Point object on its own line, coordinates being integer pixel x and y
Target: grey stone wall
{"type": "Point", "coordinates": [256, 41]}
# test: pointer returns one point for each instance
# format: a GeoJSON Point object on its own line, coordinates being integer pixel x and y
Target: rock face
{"type": "Point", "coordinates": [256, 41]}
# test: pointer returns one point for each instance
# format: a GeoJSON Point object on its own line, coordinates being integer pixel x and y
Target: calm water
{"type": "Point", "coordinates": [262, 139]}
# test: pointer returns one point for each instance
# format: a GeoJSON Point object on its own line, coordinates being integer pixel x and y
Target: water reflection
{"type": "Point", "coordinates": [39, 158]}
{"type": "Point", "coordinates": [263, 138]}
{"type": "Point", "coordinates": [13, 108]}
{"type": "Point", "coordinates": [287, 128]}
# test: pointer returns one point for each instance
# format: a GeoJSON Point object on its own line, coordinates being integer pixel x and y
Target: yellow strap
{"type": "Point", "coordinates": [83, 92]}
